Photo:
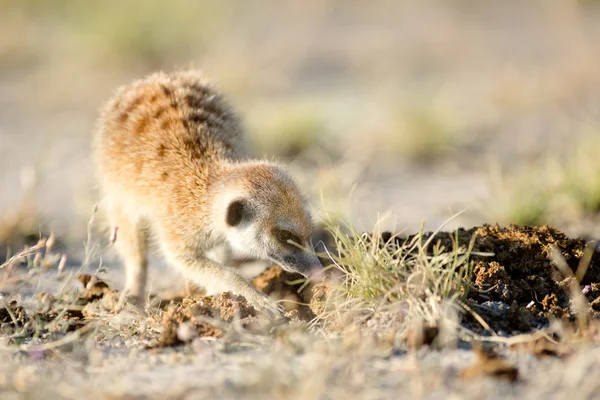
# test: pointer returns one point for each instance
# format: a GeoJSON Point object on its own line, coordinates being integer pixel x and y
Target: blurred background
{"type": "Point", "coordinates": [405, 111]}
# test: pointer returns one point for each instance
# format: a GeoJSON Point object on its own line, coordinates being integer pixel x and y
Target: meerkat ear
{"type": "Point", "coordinates": [237, 212]}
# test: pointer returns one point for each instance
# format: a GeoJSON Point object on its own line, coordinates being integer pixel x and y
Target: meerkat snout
{"type": "Point", "coordinates": [269, 221]}
{"type": "Point", "coordinates": [292, 252]}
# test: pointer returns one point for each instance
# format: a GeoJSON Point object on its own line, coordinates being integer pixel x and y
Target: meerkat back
{"type": "Point", "coordinates": [160, 129]}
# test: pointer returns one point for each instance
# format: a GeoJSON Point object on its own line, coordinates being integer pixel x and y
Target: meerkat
{"type": "Point", "coordinates": [172, 166]}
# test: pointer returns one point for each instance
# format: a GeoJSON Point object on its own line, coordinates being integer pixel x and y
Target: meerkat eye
{"type": "Point", "coordinates": [237, 211]}
{"type": "Point", "coordinates": [285, 237]}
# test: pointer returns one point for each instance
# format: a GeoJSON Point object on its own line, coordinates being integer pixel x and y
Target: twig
{"type": "Point", "coordinates": [24, 253]}
{"type": "Point", "coordinates": [72, 337]}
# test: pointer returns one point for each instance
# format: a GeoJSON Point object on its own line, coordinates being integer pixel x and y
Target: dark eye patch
{"type": "Point", "coordinates": [285, 236]}
{"type": "Point", "coordinates": [237, 211]}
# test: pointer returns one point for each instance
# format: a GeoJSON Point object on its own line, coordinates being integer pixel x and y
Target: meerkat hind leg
{"type": "Point", "coordinates": [132, 245]}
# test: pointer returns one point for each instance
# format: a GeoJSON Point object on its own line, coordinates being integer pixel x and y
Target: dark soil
{"type": "Point", "coordinates": [518, 288]}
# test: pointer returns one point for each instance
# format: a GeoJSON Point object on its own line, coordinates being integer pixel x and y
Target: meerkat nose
{"type": "Point", "coordinates": [316, 272]}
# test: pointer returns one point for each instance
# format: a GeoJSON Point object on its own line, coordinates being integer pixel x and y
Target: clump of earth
{"type": "Point", "coordinates": [191, 318]}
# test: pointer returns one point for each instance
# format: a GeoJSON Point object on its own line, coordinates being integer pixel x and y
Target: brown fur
{"type": "Point", "coordinates": [170, 156]}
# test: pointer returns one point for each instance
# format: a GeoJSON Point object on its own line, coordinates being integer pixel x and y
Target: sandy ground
{"type": "Point", "coordinates": [275, 371]}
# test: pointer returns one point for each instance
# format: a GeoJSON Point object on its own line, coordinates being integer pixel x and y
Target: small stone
{"type": "Point", "coordinates": [186, 332]}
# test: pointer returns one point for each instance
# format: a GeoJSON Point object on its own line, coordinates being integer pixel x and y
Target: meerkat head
{"type": "Point", "coordinates": [262, 214]}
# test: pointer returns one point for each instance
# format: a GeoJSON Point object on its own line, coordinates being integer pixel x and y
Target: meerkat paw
{"type": "Point", "coordinates": [131, 298]}
{"type": "Point", "coordinates": [265, 304]}
{"type": "Point", "coordinates": [274, 310]}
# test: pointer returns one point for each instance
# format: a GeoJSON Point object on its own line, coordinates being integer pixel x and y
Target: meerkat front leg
{"type": "Point", "coordinates": [221, 255]}
{"type": "Point", "coordinates": [132, 244]}
{"type": "Point", "coordinates": [217, 278]}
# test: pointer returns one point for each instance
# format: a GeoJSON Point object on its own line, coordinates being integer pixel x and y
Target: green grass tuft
{"type": "Point", "coordinates": [417, 274]}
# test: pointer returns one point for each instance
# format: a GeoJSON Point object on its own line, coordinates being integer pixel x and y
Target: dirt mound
{"type": "Point", "coordinates": [518, 288]}
{"type": "Point", "coordinates": [189, 317]}
{"type": "Point", "coordinates": [197, 317]}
